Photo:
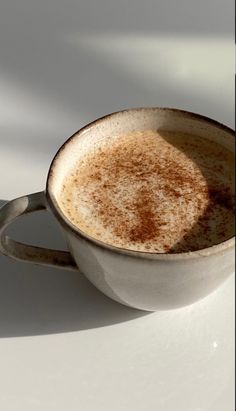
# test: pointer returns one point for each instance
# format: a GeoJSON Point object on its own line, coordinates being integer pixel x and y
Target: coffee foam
{"type": "Point", "coordinates": [153, 191]}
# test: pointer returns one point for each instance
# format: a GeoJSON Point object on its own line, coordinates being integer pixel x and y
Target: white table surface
{"type": "Point", "coordinates": [63, 345]}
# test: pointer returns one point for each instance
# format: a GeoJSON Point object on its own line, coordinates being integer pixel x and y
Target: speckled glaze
{"type": "Point", "coordinates": [146, 281]}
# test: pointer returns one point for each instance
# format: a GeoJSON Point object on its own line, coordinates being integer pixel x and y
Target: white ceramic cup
{"type": "Point", "coordinates": [143, 280]}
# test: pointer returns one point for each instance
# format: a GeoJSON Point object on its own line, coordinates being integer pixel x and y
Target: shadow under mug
{"type": "Point", "coordinates": [142, 280]}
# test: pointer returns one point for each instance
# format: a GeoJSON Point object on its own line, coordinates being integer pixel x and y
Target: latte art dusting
{"type": "Point", "coordinates": [154, 191]}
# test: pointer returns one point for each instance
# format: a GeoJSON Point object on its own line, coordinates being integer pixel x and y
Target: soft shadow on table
{"type": "Point", "coordinates": [39, 300]}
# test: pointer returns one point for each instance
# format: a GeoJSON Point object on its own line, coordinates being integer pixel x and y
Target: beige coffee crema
{"type": "Point", "coordinates": [153, 191]}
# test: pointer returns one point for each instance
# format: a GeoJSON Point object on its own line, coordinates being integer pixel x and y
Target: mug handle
{"type": "Point", "coordinates": [22, 252]}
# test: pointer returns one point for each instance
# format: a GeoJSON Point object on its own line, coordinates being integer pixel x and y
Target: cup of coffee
{"type": "Point", "coordinates": [145, 200]}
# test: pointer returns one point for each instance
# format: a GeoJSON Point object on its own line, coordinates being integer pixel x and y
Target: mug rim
{"type": "Point", "coordinates": [67, 224]}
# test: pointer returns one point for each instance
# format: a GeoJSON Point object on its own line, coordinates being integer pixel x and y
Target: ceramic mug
{"type": "Point", "coordinates": [143, 280]}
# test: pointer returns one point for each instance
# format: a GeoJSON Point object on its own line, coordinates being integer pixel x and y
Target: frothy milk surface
{"type": "Point", "coordinates": [153, 191]}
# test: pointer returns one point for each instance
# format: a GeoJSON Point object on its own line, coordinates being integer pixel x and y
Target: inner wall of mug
{"type": "Point", "coordinates": [129, 121]}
